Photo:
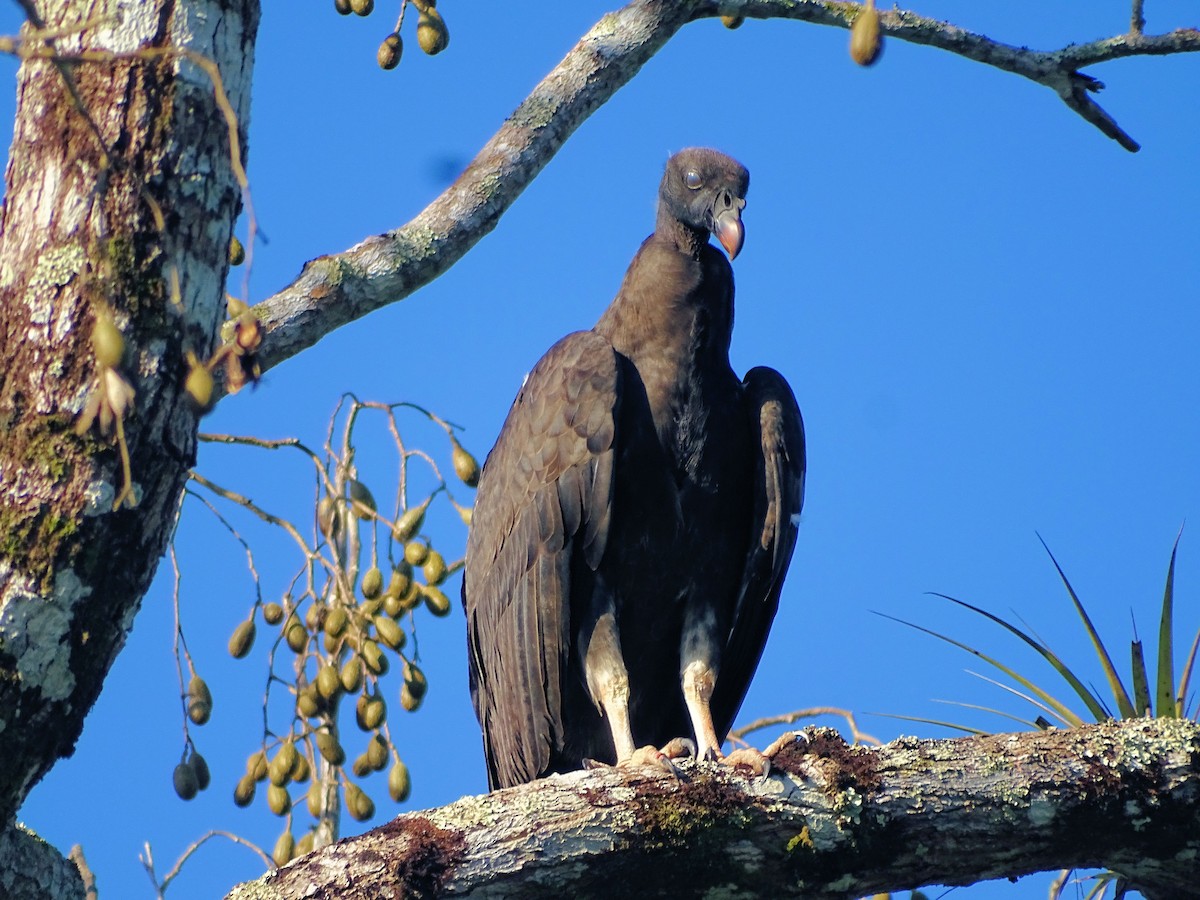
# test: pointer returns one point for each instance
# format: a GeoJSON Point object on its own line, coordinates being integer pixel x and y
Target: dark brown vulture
{"type": "Point", "coordinates": [636, 517]}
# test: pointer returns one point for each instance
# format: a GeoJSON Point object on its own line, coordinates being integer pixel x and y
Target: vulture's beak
{"type": "Point", "coordinates": [727, 223]}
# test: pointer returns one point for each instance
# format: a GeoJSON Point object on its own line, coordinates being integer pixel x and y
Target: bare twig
{"type": "Point", "coordinates": [860, 737]}
{"type": "Point", "coordinates": [147, 860]}
{"type": "Point", "coordinates": [1137, 21]}
{"type": "Point", "coordinates": [250, 505]}
{"type": "Point", "coordinates": [250, 440]}
{"type": "Point", "coordinates": [258, 600]}
{"type": "Point", "coordinates": [1055, 69]}
{"type": "Point", "coordinates": [333, 290]}
{"type": "Point", "coordinates": [179, 648]}
{"type": "Point", "coordinates": [161, 887]}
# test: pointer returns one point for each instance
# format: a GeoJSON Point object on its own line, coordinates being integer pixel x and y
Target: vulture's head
{"type": "Point", "coordinates": [706, 190]}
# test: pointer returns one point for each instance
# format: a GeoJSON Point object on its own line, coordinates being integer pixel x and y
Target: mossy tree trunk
{"type": "Point", "coordinates": [119, 185]}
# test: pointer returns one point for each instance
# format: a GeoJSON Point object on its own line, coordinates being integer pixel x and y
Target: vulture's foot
{"type": "Point", "coordinates": [748, 759]}
{"type": "Point", "coordinates": [649, 758]}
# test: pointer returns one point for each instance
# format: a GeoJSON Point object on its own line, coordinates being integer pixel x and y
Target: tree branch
{"type": "Point", "coordinates": [1056, 69]}
{"type": "Point", "coordinates": [336, 289]}
{"type": "Point", "coordinates": [831, 821]}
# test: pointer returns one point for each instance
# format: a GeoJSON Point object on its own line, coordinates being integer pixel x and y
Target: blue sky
{"type": "Point", "coordinates": [986, 308]}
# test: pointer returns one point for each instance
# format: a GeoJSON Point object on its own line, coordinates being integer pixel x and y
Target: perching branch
{"type": "Point", "coordinates": [831, 821]}
{"type": "Point", "coordinates": [333, 290]}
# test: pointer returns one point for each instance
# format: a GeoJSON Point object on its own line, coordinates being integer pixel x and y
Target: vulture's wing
{"type": "Point", "coordinates": [777, 435]}
{"type": "Point", "coordinates": [544, 499]}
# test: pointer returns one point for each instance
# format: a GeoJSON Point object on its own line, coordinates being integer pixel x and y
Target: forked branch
{"type": "Point", "coordinates": [336, 289]}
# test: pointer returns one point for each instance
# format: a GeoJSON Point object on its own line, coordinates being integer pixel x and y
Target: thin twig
{"type": "Point", "coordinates": [200, 842]}
{"type": "Point", "coordinates": [739, 734]}
{"type": "Point", "coordinates": [251, 440]}
{"type": "Point", "coordinates": [179, 639]}
{"type": "Point", "coordinates": [147, 859]}
{"type": "Point", "coordinates": [250, 505]}
{"type": "Point", "coordinates": [245, 546]}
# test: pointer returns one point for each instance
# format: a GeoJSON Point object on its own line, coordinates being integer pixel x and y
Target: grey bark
{"type": "Point", "coordinates": [101, 150]}
{"type": "Point", "coordinates": [33, 870]}
{"type": "Point", "coordinates": [831, 821]}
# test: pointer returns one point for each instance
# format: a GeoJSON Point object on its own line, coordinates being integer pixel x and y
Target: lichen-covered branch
{"type": "Point", "coordinates": [1056, 69]}
{"type": "Point", "coordinates": [336, 289]}
{"type": "Point", "coordinates": [831, 821]}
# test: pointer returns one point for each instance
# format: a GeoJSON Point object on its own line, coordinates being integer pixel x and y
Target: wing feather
{"type": "Point", "coordinates": [779, 468]}
{"type": "Point", "coordinates": [545, 491]}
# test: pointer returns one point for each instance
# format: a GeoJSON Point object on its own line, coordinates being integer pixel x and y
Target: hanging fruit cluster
{"type": "Point", "coordinates": [192, 775]}
{"type": "Point", "coordinates": [340, 630]}
{"type": "Point", "coordinates": [432, 35]}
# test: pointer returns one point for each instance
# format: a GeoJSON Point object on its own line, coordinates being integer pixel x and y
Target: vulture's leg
{"type": "Point", "coordinates": [607, 678]}
{"type": "Point", "coordinates": [699, 659]}
{"type": "Point", "coordinates": [608, 682]}
{"type": "Point", "coordinates": [699, 678]}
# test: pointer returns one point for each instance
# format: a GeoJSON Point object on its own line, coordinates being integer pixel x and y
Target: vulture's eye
{"type": "Point", "coordinates": [692, 179]}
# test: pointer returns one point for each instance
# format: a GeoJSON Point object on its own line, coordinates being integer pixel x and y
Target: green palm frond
{"type": "Point", "coordinates": [1031, 725]}
{"type": "Point", "coordinates": [1181, 694]}
{"type": "Point", "coordinates": [1168, 707]}
{"type": "Point", "coordinates": [1164, 697]}
{"type": "Point", "coordinates": [1141, 684]}
{"type": "Point", "coordinates": [1061, 709]}
{"type": "Point", "coordinates": [1094, 705]}
{"type": "Point", "coordinates": [953, 726]}
{"type": "Point", "coordinates": [1124, 704]}
{"type": "Point", "coordinates": [1030, 700]}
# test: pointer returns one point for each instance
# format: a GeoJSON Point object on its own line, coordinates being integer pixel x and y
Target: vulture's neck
{"type": "Point", "coordinates": [690, 241]}
{"type": "Point", "coordinates": [675, 306]}
{"type": "Point", "coordinates": [673, 319]}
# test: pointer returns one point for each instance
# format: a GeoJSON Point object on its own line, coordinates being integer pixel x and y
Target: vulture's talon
{"type": "Point", "coordinates": [649, 758]}
{"type": "Point", "coordinates": [783, 740]}
{"type": "Point", "coordinates": [680, 748]}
